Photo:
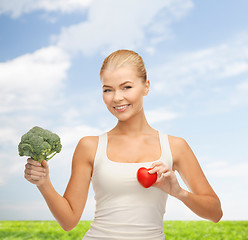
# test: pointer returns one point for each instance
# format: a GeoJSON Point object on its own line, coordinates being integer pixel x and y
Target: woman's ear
{"type": "Point", "coordinates": [147, 87]}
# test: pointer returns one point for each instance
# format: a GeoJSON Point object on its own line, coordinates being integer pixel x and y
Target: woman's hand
{"type": "Point", "coordinates": [167, 180]}
{"type": "Point", "coordinates": [36, 173]}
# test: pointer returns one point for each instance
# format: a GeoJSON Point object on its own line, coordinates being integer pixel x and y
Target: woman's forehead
{"type": "Point", "coordinates": [119, 74]}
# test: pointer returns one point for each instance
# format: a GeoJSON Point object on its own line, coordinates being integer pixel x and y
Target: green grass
{"type": "Point", "coordinates": [224, 230]}
{"type": "Point", "coordinates": [174, 230]}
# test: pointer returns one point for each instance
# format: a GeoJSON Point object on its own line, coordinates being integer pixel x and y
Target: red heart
{"type": "Point", "coordinates": [145, 178]}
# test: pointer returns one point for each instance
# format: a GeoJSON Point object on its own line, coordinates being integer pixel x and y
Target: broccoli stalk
{"type": "Point", "coordinates": [39, 144]}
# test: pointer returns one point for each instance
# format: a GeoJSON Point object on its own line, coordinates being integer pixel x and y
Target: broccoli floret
{"type": "Point", "coordinates": [39, 144]}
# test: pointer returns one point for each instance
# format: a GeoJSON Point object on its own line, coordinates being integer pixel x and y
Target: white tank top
{"type": "Point", "coordinates": [124, 209]}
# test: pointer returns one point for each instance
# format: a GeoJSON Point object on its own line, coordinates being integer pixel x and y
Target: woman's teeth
{"type": "Point", "coordinates": [121, 107]}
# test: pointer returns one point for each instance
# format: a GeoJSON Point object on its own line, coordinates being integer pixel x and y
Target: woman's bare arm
{"type": "Point", "coordinates": [201, 199]}
{"type": "Point", "coordinates": [68, 209]}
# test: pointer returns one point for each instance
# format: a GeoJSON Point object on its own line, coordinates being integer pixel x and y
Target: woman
{"type": "Point", "coordinates": [125, 209]}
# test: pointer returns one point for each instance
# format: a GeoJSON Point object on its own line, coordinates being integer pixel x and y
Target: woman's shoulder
{"type": "Point", "coordinates": [88, 142]}
{"type": "Point", "coordinates": [178, 145]}
{"type": "Point", "coordinates": [87, 146]}
{"type": "Point", "coordinates": [176, 141]}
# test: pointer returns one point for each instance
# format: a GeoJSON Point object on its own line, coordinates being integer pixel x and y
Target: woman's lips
{"type": "Point", "coordinates": [121, 108]}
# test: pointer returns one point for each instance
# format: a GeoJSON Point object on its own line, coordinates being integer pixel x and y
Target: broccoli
{"type": "Point", "coordinates": [39, 144]}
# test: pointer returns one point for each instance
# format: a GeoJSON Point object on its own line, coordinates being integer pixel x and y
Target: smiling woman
{"type": "Point", "coordinates": [124, 79]}
{"type": "Point", "coordinates": [123, 92]}
{"type": "Point", "coordinates": [125, 209]}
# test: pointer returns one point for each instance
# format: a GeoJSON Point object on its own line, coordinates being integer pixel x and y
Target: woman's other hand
{"type": "Point", "coordinates": [167, 180]}
{"type": "Point", "coordinates": [36, 173]}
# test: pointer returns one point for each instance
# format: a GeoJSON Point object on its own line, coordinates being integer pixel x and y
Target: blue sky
{"type": "Point", "coordinates": [196, 55]}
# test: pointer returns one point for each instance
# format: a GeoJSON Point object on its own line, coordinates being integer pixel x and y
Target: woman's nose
{"type": "Point", "coordinates": [118, 96]}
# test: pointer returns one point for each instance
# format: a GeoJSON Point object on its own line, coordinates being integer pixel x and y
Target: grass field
{"type": "Point", "coordinates": [174, 230]}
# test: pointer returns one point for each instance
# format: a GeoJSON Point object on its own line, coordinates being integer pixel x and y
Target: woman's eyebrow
{"type": "Point", "coordinates": [106, 86]}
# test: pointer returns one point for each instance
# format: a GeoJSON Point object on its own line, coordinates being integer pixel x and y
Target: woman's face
{"type": "Point", "coordinates": [123, 92]}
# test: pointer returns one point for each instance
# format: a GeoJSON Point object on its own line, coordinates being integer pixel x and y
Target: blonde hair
{"type": "Point", "coordinates": [122, 58]}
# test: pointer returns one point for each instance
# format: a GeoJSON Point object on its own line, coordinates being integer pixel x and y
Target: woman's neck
{"type": "Point", "coordinates": [134, 126]}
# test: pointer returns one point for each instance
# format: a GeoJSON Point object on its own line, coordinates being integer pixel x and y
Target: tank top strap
{"type": "Point", "coordinates": [165, 149]}
{"type": "Point", "coordinates": [101, 148]}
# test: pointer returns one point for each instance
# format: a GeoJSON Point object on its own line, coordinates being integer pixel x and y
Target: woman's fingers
{"type": "Point", "coordinates": [28, 166]}
{"type": "Point", "coordinates": [33, 162]}
{"type": "Point", "coordinates": [44, 164]}
{"type": "Point", "coordinates": [165, 175]}
{"type": "Point", "coordinates": [33, 181]}
{"type": "Point", "coordinates": [159, 168]}
{"type": "Point", "coordinates": [33, 175]}
{"type": "Point", "coordinates": [30, 177]}
{"type": "Point", "coordinates": [34, 171]}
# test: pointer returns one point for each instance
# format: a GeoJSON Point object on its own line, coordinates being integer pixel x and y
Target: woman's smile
{"type": "Point", "coordinates": [121, 108]}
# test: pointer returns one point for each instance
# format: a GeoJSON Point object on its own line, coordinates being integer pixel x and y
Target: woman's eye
{"type": "Point", "coordinates": [127, 87]}
{"type": "Point", "coordinates": [106, 90]}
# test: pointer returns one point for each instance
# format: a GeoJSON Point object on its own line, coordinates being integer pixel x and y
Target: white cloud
{"type": "Point", "coordinates": [160, 115]}
{"type": "Point", "coordinates": [28, 85]}
{"type": "Point", "coordinates": [8, 135]}
{"type": "Point", "coordinates": [234, 204]}
{"type": "Point", "coordinates": [190, 69]}
{"type": "Point", "coordinates": [18, 7]}
{"type": "Point", "coordinates": [119, 24]}
{"type": "Point", "coordinates": [30, 210]}
{"type": "Point", "coordinates": [219, 168]}
{"type": "Point", "coordinates": [71, 135]}
{"type": "Point", "coordinates": [150, 50]}
{"type": "Point", "coordinates": [32, 80]}
{"type": "Point", "coordinates": [10, 164]}
{"type": "Point", "coordinates": [227, 170]}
